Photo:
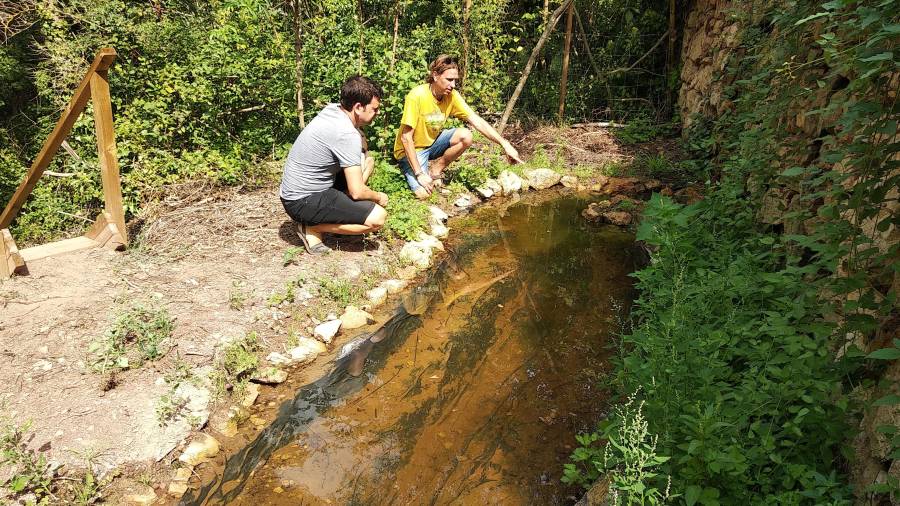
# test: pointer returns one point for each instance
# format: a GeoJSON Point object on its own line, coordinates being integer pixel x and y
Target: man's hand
{"type": "Point", "coordinates": [425, 180]}
{"type": "Point", "coordinates": [382, 199]}
{"type": "Point", "coordinates": [512, 155]}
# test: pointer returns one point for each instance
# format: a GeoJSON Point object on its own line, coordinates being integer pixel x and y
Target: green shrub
{"type": "Point", "coordinates": [407, 216]}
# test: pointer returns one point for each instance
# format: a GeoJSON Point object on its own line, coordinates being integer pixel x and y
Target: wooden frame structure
{"type": "Point", "coordinates": [109, 228]}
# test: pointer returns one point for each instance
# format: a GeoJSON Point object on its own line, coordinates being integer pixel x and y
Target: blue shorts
{"type": "Point", "coordinates": [432, 152]}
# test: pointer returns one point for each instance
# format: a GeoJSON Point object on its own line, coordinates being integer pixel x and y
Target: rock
{"type": "Point", "coordinates": [430, 241]}
{"type": "Point", "coordinates": [541, 179]}
{"type": "Point", "coordinates": [484, 192]}
{"type": "Point", "coordinates": [376, 296]}
{"type": "Point", "coordinates": [464, 201]}
{"type": "Point", "coordinates": [601, 182]}
{"type": "Point", "coordinates": [416, 254]}
{"type": "Point", "coordinates": [407, 273]}
{"type": "Point", "coordinates": [438, 214]}
{"type": "Point", "coordinates": [620, 218]}
{"type": "Point", "coordinates": [200, 450]}
{"type": "Point", "coordinates": [394, 285]}
{"type": "Point", "coordinates": [493, 185]}
{"type": "Point", "coordinates": [143, 499]}
{"type": "Point", "coordinates": [569, 181]}
{"type": "Point", "coordinates": [270, 376]}
{"type": "Point", "coordinates": [509, 183]}
{"type": "Point", "coordinates": [177, 488]}
{"type": "Point", "coordinates": [629, 185]}
{"type": "Point", "coordinates": [250, 395]}
{"type": "Point", "coordinates": [306, 350]}
{"type": "Point", "coordinates": [278, 359]}
{"type": "Point", "coordinates": [354, 318]}
{"type": "Point", "coordinates": [652, 184]}
{"type": "Point", "coordinates": [325, 332]}
{"type": "Point", "coordinates": [439, 230]}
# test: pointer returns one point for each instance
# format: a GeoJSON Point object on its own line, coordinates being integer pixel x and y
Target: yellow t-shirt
{"type": "Point", "coordinates": [426, 115]}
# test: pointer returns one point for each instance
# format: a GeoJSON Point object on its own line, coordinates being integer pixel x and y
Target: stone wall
{"type": "Point", "coordinates": [712, 32]}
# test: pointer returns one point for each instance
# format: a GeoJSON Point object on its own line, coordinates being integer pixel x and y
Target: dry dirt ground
{"type": "Point", "coordinates": [198, 250]}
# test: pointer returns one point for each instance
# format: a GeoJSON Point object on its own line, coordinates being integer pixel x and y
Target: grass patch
{"type": "Point", "coordinates": [238, 295]}
{"type": "Point", "coordinates": [138, 335]}
{"type": "Point", "coordinates": [29, 471]}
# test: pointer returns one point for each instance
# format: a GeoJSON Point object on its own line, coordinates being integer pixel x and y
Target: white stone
{"type": "Point", "coordinates": [541, 179]}
{"type": "Point", "coordinates": [251, 393]}
{"type": "Point", "coordinates": [440, 231]}
{"type": "Point", "coordinates": [200, 450]}
{"type": "Point", "coordinates": [376, 296]}
{"type": "Point", "coordinates": [509, 183]}
{"type": "Point", "coordinates": [394, 285]}
{"type": "Point", "coordinates": [493, 185]}
{"type": "Point", "coordinates": [417, 254]}
{"type": "Point", "coordinates": [354, 318]}
{"type": "Point", "coordinates": [569, 181]}
{"type": "Point", "coordinates": [438, 214]}
{"type": "Point", "coordinates": [430, 241]}
{"type": "Point", "coordinates": [278, 359]}
{"type": "Point", "coordinates": [145, 499]}
{"type": "Point", "coordinates": [464, 201]}
{"type": "Point", "coordinates": [485, 192]}
{"type": "Point", "coordinates": [306, 350]}
{"type": "Point", "coordinates": [325, 332]}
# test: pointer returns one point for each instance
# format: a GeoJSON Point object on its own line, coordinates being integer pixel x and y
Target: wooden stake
{"type": "Point", "coordinates": [564, 80]}
{"type": "Point", "coordinates": [11, 262]}
{"type": "Point", "coordinates": [554, 18]}
{"type": "Point", "coordinates": [106, 149]}
{"type": "Point", "coordinates": [76, 105]}
{"type": "Point", "coordinates": [467, 10]}
{"type": "Point", "coordinates": [297, 18]}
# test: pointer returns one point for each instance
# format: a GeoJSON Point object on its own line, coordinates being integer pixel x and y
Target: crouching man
{"type": "Point", "coordinates": [323, 188]}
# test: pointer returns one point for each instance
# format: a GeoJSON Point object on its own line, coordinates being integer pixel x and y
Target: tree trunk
{"type": "Point", "coordinates": [398, 10]}
{"type": "Point", "coordinates": [297, 19]}
{"type": "Point", "coordinates": [564, 80]}
{"type": "Point", "coordinates": [670, 55]}
{"type": "Point", "coordinates": [467, 10]}
{"type": "Point", "coordinates": [551, 23]}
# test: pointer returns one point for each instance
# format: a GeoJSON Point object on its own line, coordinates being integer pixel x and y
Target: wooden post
{"type": "Point", "coordinates": [11, 261]}
{"type": "Point", "coordinates": [297, 19]}
{"type": "Point", "coordinates": [564, 80]}
{"type": "Point", "coordinates": [79, 100]}
{"type": "Point", "coordinates": [554, 18]}
{"type": "Point", "coordinates": [106, 149]}
{"type": "Point", "coordinates": [359, 13]}
{"type": "Point", "coordinates": [467, 10]}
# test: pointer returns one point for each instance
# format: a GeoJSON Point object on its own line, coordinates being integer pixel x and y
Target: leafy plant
{"type": "Point", "coordinates": [137, 336]}
{"type": "Point", "coordinates": [30, 472]}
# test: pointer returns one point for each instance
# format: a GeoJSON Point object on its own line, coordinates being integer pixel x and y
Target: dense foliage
{"type": "Point", "coordinates": [208, 88]}
{"type": "Point", "coordinates": [748, 342]}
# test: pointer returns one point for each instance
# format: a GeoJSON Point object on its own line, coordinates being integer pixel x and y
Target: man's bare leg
{"type": "Point", "coordinates": [459, 143]}
{"type": "Point", "coordinates": [374, 221]}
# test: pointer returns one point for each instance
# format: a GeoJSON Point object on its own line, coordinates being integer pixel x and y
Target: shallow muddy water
{"type": "Point", "coordinates": [476, 387]}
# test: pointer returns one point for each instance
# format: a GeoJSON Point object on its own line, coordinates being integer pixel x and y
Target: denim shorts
{"type": "Point", "coordinates": [432, 152]}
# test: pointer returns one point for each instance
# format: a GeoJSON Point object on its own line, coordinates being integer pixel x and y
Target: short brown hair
{"type": "Point", "coordinates": [440, 64]}
{"type": "Point", "coordinates": [359, 90]}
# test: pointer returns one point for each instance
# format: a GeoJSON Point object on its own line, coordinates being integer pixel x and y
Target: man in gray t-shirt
{"type": "Point", "coordinates": [323, 187]}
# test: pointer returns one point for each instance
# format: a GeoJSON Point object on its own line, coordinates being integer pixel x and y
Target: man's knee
{"type": "Point", "coordinates": [465, 137]}
{"type": "Point", "coordinates": [377, 217]}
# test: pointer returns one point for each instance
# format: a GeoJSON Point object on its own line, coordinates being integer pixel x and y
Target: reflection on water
{"type": "Point", "coordinates": [475, 388]}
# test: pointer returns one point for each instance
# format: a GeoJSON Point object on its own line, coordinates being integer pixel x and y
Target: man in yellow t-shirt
{"type": "Point", "coordinates": [424, 147]}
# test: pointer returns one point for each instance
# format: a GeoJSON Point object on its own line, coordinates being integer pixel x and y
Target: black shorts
{"type": "Point", "coordinates": [329, 206]}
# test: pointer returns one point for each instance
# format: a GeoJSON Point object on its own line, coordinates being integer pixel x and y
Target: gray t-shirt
{"type": "Point", "coordinates": [328, 144]}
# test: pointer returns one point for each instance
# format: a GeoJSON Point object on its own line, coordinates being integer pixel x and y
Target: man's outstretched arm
{"type": "Point", "coordinates": [478, 123]}
{"type": "Point", "coordinates": [358, 190]}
